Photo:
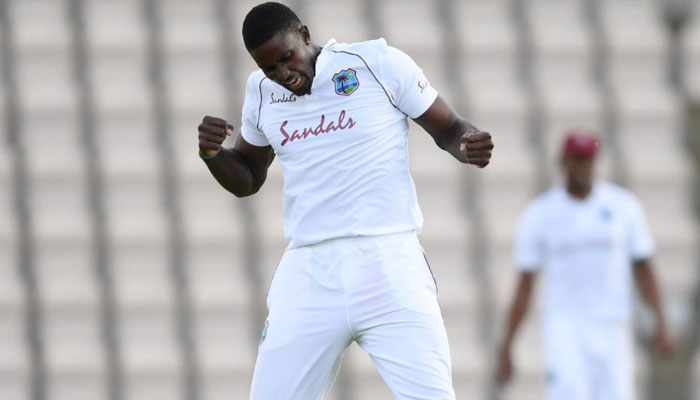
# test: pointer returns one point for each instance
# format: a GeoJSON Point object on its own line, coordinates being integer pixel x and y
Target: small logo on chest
{"type": "Point", "coordinates": [340, 123]}
{"type": "Point", "coordinates": [346, 82]}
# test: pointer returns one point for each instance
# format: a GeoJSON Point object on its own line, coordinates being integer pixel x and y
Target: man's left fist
{"type": "Point", "coordinates": [477, 147]}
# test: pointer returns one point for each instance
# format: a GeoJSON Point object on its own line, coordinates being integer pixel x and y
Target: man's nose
{"type": "Point", "coordinates": [282, 72]}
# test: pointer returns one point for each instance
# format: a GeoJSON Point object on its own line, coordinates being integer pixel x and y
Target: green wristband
{"type": "Point", "coordinates": [206, 157]}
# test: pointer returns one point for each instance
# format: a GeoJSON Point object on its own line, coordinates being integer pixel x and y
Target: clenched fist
{"type": "Point", "coordinates": [212, 132]}
{"type": "Point", "coordinates": [477, 146]}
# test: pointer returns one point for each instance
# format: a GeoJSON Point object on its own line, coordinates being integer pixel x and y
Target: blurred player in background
{"type": "Point", "coordinates": [591, 240]}
{"type": "Point", "coordinates": [336, 118]}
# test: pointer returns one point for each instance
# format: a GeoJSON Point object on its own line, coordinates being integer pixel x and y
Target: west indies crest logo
{"type": "Point", "coordinates": [346, 82]}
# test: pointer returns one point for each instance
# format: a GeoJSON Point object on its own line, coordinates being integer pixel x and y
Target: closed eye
{"type": "Point", "coordinates": [286, 57]}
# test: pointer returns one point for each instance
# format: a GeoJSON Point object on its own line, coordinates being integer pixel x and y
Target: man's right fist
{"type": "Point", "coordinates": [212, 132]}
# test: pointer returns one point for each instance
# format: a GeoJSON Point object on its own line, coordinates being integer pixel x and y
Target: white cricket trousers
{"type": "Point", "coordinates": [375, 290]}
{"type": "Point", "coordinates": [588, 359]}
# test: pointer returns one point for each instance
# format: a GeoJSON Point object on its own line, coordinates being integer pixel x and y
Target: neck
{"type": "Point", "coordinates": [578, 191]}
{"type": "Point", "coordinates": [317, 52]}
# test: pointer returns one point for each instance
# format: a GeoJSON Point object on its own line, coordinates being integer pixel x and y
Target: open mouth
{"type": "Point", "coordinates": [295, 84]}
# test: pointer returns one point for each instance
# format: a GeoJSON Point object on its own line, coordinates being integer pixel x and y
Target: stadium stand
{"type": "Point", "coordinates": [691, 52]}
{"type": "Point", "coordinates": [184, 266]}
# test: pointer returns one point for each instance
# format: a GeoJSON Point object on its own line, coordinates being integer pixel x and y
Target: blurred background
{"type": "Point", "coordinates": [127, 273]}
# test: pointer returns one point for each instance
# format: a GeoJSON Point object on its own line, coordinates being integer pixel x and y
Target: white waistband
{"type": "Point", "coordinates": [362, 239]}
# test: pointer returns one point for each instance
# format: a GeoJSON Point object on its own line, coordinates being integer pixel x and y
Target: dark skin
{"type": "Point", "coordinates": [289, 59]}
{"type": "Point", "coordinates": [578, 171]}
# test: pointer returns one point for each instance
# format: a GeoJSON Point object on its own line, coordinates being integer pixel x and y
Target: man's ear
{"type": "Point", "coordinates": [305, 35]}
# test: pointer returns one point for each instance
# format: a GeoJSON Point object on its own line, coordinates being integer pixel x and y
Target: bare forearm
{"type": "Point", "coordinates": [515, 317]}
{"type": "Point", "coordinates": [455, 135]}
{"type": "Point", "coordinates": [518, 310]}
{"type": "Point", "coordinates": [233, 173]}
{"type": "Point", "coordinates": [451, 140]}
{"type": "Point", "coordinates": [646, 284]}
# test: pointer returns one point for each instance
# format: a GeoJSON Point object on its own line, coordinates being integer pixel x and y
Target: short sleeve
{"type": "Point", "coordinates": [410, 89]}
{"type": "Point", "coordinates": [529, 246]}
{"type": "Point", "coordinates": [641, 243]}
{"type": "Point", "coordinates": [251, 112]}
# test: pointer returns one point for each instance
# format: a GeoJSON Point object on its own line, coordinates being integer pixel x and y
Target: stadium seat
{"type": "Point", "coordinates": [74, 353]}
{"type": "Point", "coordinates": [214, 252]}
{"type": "Point", "coordinates": [137, 232]}
{"type": "Point", "coordinates": [14, 352]}
{"type": "Point", "coordinates": [57, 186]}
{"type": "Point", "coordinates": [217, 277]}
{"type": "Point", "coordinates": [399, 19]}
{"type": "Point", "coordinates": [695, 390]}
{"type": "Point", "coordinates": [9, 235]}
{"type": "Point", "coordinates": [691, 55]}
{"type": "Point", "coordinates": [636, 43]}
{"type": "Point", "coordinates": [487, 37]}
{"type": "Point", "coordinates": [349, 21]}
{"type": "Point", "coordinates": [125, 126]}
{"type": "Point", "coordinates": [115, 27]}
{"type": "Point", "coordinates": [116, 36]}
{"type": "Point", "coordinates": [48, 107]}
{"type": "Point", "coordinates": [226, 351]}
{"type": "Point", "coordinates": [14, 357]}
{"type": "Point", "coordinates": [123, 100]}
{"type": "Point", "coordinates": [64, 267]}
{"type": "Point", "coordinates": [40, 26]}
{"type": "Point", "coordinates": [60, 213]}
{"type": "Point", "coordinates": [650, 118]}
{"type": "Point", "coordinates": [151, 354]}
{"type": "Point", "coordinates": [43, 65]}
{"type": "Point", "coordinates": [127, 146]}
{"type": "Point", "coordinates": [61, 226]}
{"type": "Point", "coordinates": [189, 27]}
{"type": "Point", "coordinates": [5, 135]}
{"type": "Point", "coordinates": [222, 386]}
{"type": "Point", "coordinates": [192, 48]}
{"type": "Point", "coordinates": [561, 43]}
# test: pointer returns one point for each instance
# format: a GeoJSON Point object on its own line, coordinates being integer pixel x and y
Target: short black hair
{"type": "Point", "coordinates": [265, 20]}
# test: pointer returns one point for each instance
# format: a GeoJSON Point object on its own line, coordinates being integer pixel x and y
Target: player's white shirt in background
{"type": "Point", "coordinates": [344, 152]}
{"type": "Point", "coordinates": [586, 249]}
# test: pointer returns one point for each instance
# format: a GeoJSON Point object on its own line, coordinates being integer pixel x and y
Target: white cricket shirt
{"type": "Point", "coordinates": [344, 147]}
{"type": "Point", "coordinates": [586, 249]}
